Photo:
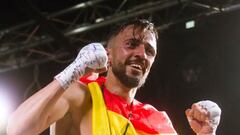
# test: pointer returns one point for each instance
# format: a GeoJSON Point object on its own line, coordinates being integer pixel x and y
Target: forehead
{"type": "Point", "coordinates": [145, 35]}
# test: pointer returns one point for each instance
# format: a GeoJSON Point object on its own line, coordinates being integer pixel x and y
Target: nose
{"type": "Point", "coordinates": [141, 51]}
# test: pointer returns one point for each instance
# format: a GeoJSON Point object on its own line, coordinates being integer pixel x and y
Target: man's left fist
{"type": "Point", "coordinates": [204, 117]}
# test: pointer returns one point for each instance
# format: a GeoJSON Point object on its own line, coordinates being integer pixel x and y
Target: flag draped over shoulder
{"type": "Point", "coordinates": [112, 115]}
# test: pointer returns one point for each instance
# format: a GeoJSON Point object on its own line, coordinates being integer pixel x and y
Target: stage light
{"type": "Point", "coordinates": [190, 24]}
{"type": "Point", "coordinates": [5, 109]}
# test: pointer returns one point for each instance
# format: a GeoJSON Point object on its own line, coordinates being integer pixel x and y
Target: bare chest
{"type": "Point", "coordinates": [73, 123]}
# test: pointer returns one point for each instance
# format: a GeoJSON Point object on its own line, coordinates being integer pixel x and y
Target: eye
{"type": "Point", "coordinates": [133, 43]}
{"type": "Point", "coordinates": [150, 51]}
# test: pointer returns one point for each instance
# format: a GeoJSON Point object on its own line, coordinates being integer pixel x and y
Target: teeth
{"type": "Point", "coordinates": [136, 66]}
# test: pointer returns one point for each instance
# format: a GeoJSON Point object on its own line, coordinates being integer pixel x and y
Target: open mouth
{"type": "Point", "coordinates": [136, 66]}
{"type": "Point", "coordinates": [139, 66]}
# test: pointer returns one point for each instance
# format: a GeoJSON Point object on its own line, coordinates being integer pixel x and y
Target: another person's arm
{"type": "Point", "coordinates": [49, 105]}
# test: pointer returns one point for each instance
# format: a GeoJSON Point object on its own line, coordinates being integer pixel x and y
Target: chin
{"type": "Point", "coordinates": [134, 74]}
{"type": "Point", "coordinates": [133, 81]}
{"type": "Point", "coordinates": [128, 77]}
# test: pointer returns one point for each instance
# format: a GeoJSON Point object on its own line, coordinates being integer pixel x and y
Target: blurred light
{"type": "Point", "coordinates": [190, 24]}
{"type": "Point", "coordinates": [99, 20]}
{"type": "Point", "coordinates": [5, 109]}
{"type": "Point", "coordinates": [78, 30]}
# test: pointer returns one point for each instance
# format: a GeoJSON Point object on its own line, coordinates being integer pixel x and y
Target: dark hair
{"type": "Point", "coordinates": [137, 23]}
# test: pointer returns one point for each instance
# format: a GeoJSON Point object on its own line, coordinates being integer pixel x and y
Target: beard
{"type": "Point", "coordinates": [130, 81]}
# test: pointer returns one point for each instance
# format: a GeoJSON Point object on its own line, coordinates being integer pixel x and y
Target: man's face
{"type": "Point", "coordinates": [131, 54]}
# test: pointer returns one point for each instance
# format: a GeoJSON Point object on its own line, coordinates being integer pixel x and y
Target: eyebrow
{"type": "Point", "coordinates": [145, 43]}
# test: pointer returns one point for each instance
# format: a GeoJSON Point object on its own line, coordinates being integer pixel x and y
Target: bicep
{"type": "Point", "coordinates": [58, 111]}
{"type": "Point", "coordinates": [72, 98]}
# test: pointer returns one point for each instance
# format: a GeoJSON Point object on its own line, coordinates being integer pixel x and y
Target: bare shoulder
{"type": "Point", "coordinates": [77, 94]}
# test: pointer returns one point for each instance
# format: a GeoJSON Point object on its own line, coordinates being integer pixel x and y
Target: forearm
{"type": "Point", "coordinates": [31, 116]}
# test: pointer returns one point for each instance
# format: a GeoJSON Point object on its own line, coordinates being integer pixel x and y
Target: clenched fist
{"type": "Point", "coordinates": [204, 117]}
{"type": "Point", "coordinates": [92, 57]}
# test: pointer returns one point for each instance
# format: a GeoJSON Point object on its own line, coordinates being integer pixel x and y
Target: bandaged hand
{"type": "Point", "coordinates": [204, 117]}
{"type": "Point", "coordinates": [90, 58]}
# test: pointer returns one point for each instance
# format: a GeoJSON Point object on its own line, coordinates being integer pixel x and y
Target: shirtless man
{"type": "Point", "coordinates": [66, 103]}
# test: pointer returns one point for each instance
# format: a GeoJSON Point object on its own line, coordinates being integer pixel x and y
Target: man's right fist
{"type": "Point", "coordinates": [93, 56]}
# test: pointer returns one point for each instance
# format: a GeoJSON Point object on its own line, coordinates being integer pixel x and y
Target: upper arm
{"type": "Point", "coordinates": [58, 111]}
{"type": "Point", "coordinates": [75, 96]}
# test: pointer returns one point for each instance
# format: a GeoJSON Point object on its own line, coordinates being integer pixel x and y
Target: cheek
{"type": "Point", "coordinates": [121, 54]}
{"type": "Point", "coordinates": [151, 62]}
{"type": "Point", "coordinates": [115, 59]}
{"type": "Point", "coordinates": [113, 56]}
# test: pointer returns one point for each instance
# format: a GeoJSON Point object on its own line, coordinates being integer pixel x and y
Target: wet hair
{"type": "Point", "coordinates": [141, 24]}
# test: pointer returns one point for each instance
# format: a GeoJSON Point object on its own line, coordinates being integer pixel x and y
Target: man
{"type": "Point", "coordinates": [102, 106]}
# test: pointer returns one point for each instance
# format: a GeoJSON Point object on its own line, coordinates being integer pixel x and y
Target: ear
{"type": "Point", "coordinates": [109, 54]}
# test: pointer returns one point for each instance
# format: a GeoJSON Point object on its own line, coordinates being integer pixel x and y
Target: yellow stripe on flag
{"type": "Point", "coordinates": [100, 124]}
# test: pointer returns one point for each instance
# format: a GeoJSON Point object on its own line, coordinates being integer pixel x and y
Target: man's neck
{"type": "Point", "coordinates": [116, 87]}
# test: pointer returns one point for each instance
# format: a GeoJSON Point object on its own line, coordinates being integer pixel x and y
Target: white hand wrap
{"type": "Point", "coordinates": [93, 56]}
{"type": "Point", "coordinates": [214, 111]}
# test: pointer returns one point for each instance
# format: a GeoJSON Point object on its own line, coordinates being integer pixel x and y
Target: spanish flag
{"type": "Point", "coordinates": [112, 115]}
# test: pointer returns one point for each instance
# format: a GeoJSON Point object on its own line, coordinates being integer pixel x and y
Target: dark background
{"type": "Point", "coordinates": [192, 65]}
